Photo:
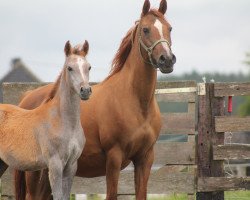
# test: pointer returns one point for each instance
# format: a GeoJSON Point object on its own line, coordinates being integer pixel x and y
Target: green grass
{"type": "Point", "coordinates": [171, 197]}
{"type": "Point", "coordinates": [233, 195]}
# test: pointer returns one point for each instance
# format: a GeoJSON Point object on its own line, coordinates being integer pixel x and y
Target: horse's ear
{"type": "Point", "coordinates": [145, 8]}
{"type": "Point", "coordinates": [67, 48]}
{"type": "Point", "coordinates": [85, 47]}
{"type": "Point", "coordinates": [163, 7]}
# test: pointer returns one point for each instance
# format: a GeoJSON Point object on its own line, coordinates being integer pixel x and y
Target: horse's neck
{"type": "Point", "coordinates": [140, 77]}
{"type": "Point", "coordinates": [68, 104]}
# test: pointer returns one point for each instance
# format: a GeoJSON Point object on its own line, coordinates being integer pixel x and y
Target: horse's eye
{"type": "Point", "coordinates": [145, 30]}
{"type": "Point", "coordinates": [70, 68]}
{"type": "Point", "coordinates": [89, 68]}
{"type": "Point", "coordinates": [170, 29]}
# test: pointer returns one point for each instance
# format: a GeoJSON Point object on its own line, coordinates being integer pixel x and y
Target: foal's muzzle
{"type": "Point", "coordinates": [85, 93]}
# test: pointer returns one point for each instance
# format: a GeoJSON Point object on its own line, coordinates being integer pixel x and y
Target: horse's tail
{"type": "Point", "coordinates": [20, 185]}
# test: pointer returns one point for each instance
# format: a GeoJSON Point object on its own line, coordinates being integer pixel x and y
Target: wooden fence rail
{"type": "Point", "coordinates": [175, 162]}
{"type": "Point", "coordinates": [196, 165]}
{"type": "Point", "coordinates": [212, 124]}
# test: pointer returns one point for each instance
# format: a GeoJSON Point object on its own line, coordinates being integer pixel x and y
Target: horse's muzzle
{"type": "Point", "coordinates": [166, 64]}
{"type": "Point", "coordinates": [85, 93]}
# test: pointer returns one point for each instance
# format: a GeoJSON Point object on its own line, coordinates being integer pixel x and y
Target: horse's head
{"type": "Point", "coordinates": [154, 38]}
{"type": "Point", "coordinates": [77, 69]}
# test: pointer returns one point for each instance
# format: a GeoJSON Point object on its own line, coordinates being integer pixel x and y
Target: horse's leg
{"type": "Point", "coordinates": [113, 167]}
{"type": "Point", "coordinates": [143, 164]}
{"type": "Point", "coordinates": [3, 167]}
{"type": "Point", "coordinates": [38, 187]}
{"type": "Point", "coordinates": [55, 178]}
{"type": "Point", "coordinates": [68, 176]}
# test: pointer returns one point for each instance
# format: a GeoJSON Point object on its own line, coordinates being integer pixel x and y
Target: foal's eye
{"type": "Point", "coordinates": [170, 29]}
{"type": "Point", "coordinates": [145, 30]}
{"type": "Point", "coordinates": [70, 68]}
{"type": "Point", "coordinates": [89, 68]}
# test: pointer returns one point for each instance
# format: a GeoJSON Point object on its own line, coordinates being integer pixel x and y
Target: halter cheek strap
{"type": "Point", "coordinates": [150, 49]}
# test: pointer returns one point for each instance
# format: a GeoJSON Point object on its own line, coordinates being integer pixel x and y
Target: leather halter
{"type": "Point", "coordinates": [150, 49]}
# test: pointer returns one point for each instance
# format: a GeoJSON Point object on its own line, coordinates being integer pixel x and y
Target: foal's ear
{"type": "Point", "coordinates": [67, 48]}
{"type": "Point", "coordinates": [163, 7]}
{"type": "Point", "coordinates": [145, 8]}
{"type": "Point", "coordinates": [85, 47]}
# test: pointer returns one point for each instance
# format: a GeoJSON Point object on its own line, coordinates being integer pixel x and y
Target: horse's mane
{"type": "Point", "coordinates": [53, 91]}
{"type": "Point", "coordinates": [122, 53]}
{"type": "Point", "coordinates": [126, 46]}
{"type": "Point", "coordinates": [51, 95]}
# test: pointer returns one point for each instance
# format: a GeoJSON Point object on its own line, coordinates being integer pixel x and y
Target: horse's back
{"type": "Point", "coordinates": [34, 98]}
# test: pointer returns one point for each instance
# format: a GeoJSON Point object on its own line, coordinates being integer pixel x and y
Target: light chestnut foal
{"type": "Point", "coordinates": [51, 135]}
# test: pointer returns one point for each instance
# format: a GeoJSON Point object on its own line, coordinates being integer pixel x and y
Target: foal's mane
{"type": "Point", "coordinates": [51, 95]}
{"type": "Point", "coordinates": [126, 46]}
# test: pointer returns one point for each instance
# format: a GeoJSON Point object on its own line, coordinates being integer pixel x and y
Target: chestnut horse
{"type": "Point", "coordinates": [51, 135]}
{"type": "Point", "coordinates": [121, 120]}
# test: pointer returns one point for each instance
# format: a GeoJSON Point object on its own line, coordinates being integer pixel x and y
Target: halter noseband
{"type": "Point", "coordinates": [150, 49]}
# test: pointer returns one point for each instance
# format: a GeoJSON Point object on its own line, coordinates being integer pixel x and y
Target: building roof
{"type": "Point", "coordinates": [19, 73]}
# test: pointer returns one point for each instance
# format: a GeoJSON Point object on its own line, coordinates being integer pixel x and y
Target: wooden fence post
{"type": "Point", "coordinates": [208, 107]}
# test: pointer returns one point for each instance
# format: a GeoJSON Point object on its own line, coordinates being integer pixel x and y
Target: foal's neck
{"type": "Point", "coordinates": [68, 103]}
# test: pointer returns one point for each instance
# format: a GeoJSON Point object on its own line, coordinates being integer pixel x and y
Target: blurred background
{"type": "Point", "coordinates": [208, 36]}
{"type": "Point", "coordinates": [211, 39]}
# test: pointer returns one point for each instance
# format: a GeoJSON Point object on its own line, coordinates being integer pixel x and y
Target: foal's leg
{"type": "Point", "coordinates": [68, 176]}
{"type": "Point", "coordinates": [113, 167]}
{"type": "Point", "coordinates": [55, 178]}
{"type": "Point", "coordinates": [3, 167]}
{"type": "Point", "coordinates": [143, 164]}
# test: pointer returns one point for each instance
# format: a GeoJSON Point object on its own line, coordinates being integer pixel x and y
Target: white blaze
{"type": "Point", "coordinates": [80, 63]}
{"type": "Point", "coordinates": [159, 27]}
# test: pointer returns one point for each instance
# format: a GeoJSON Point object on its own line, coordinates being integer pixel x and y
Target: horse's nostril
{"type": "Point", "coordinates": [162, 59]}
{"type": "Point", "coordinates": [173, 59]}
{"type": "Point", "coordinates": [81, 89]}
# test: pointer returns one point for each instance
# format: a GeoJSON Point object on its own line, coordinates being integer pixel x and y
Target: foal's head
{"type": "Point", "coordinates": [154, 37]}
{"type": "Point", "coordinates": [77, 69]}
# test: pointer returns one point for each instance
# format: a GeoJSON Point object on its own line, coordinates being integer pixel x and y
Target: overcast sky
{"type": "Point", "coordinates": [208, 35]}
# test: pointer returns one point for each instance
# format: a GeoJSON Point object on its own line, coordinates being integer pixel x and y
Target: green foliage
{"type": "Point", "coordinates": [217, 77]}
{"type": "Point", "coordinates": [244, 108]}
{"type": "Point", "coordinates": [72, 197]}
{"type": "Point", "coordinates": [247, 60]}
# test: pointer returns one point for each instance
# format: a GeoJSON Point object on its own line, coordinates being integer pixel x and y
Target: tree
{"type": "Point", "coordinates": [247, 61]}
{"type": "Point", "coordinates": [244, 108]}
